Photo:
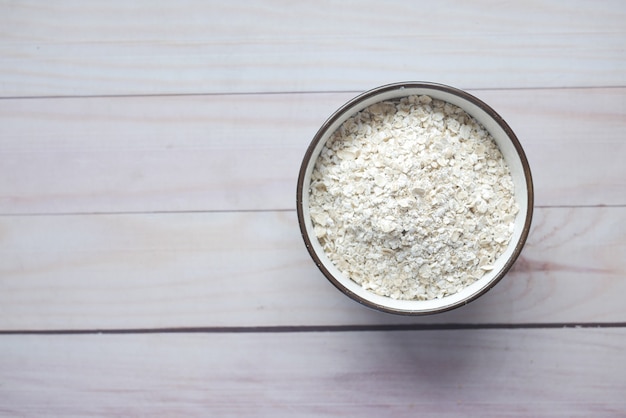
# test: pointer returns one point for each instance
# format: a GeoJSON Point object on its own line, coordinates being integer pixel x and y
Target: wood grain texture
{"type": "Point", "coordinates": [118, 47]}
{"type": "Point", "coordinates": [487, 373]}
{"type": "Point", "coordinates": [148, 160]}
{"type": "Point", "coordinates": [252, 269]}
{"type": "Point", "coordinates": [243, 152]}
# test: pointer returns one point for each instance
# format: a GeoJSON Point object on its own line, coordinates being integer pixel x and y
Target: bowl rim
{"type": "Point", "coordinates": [412, 85]}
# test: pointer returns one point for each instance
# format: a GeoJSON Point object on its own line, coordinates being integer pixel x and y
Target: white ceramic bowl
{"type": "Point", "coordinates": [511, 150]}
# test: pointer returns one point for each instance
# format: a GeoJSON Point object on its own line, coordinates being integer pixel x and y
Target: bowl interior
{"type": "Point", "coordinates": [512, 153]}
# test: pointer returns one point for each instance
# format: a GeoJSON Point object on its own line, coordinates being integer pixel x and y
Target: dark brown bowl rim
{"type": "Point", "coordinates": [397, 86]}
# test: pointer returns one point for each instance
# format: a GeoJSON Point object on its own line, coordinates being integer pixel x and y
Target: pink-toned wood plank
{"type": "Point", "coordinates": [574, 149]}
{"type": "Point", "coordinates": [243, 152]}
{"type": "Point", "coordinates": [252, 269]}
{"type": "Point", "coordinates": [486, 373]}
{"type": "Point", "coordinates": [157, 47]}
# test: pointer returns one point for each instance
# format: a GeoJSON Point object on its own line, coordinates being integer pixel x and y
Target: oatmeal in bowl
{"type": "Point", "coordinates": [414, 198]}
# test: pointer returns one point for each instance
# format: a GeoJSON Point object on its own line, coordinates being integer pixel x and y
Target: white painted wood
{"type": "Point", "coordinates": [166, 161]}
{"type": "Point", "coordinates": [243, 152]}
{"type": "Point", "coordinates": [252, 269]}
{"type": "Point", "coordinates": [157, 47]}
{"type": "Point", "coordinates": [486, 373]}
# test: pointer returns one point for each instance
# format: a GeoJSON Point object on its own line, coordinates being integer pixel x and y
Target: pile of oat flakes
{"type": "Point", "coordinates": [412, 199]}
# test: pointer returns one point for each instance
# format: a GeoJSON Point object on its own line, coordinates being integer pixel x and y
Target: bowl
{"type": "Point", "coordinates": [512, 153]}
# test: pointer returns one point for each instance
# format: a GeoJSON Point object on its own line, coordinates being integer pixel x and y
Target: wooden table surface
{"type": "Point", "coordinates": [151, 262]}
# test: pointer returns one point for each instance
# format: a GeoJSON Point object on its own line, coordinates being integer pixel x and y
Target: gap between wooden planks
{"type": "Point", "coordinates": [243, 152]}
{"type": "Point", "coordinates": [567, 372]}
{"type": "Point", "coordinates": [70, 48]}
{"type": "Point", "coordinates": [142, 271]}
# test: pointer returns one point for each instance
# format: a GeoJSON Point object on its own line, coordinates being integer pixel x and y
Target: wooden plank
{"type": "Point", "coordinates": [146, 154]}
{"type": "Point", "coordinates": [243, 152]}
{"type": "Point", "coordinates": [252, 269]}
{"type": "Point", "coordinates": [487, 373]}
{"type": "Point", "coordinates": [76, 48]}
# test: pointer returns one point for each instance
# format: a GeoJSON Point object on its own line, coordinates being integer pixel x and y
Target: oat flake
{"type": "Point", "coordinates": [412, 199]}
